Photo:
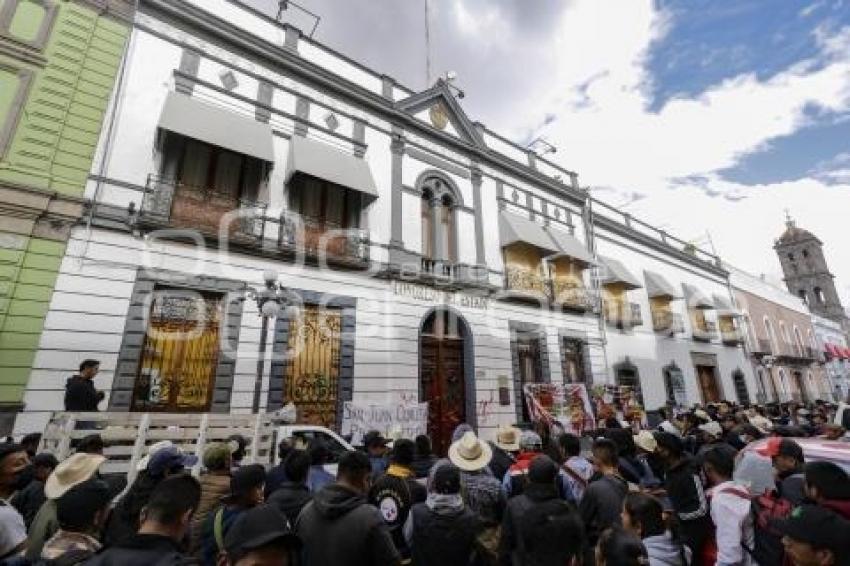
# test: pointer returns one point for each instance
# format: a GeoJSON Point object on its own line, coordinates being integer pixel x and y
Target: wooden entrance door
{"type": "Point", "coordinates": [443, 383]}
{"type": "Point", "coordinates": [707, 379]}
{"type": "Point", "coordinates": [801, 386]}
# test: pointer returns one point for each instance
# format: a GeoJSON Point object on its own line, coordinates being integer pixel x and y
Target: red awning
{"type": "Point", "coordinates": [834, 351]}
{"type": "Point", "coordinates": [845, 353]}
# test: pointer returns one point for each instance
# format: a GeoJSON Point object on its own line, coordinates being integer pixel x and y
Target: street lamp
{"type": "Point", "coordinates": [269, 302]}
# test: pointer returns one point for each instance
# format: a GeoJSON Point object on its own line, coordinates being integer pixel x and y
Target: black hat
{"type": "Point", "coordinates": [817, 526]}
{"type": "Point", "coordinates": [542, 470]}
{"type": "Point", "coordinates": [77, 506]}
{"type": "Point", "coordinates": [374, 438]}
{"type": "Point", "coordinates": [669, 442]}
{"type": "Point", "coordinates": [446, 479]}
{"type": "Point", "coordinates": [45, 459]}
{"type": "Point", "coordinates": [245, 479]}
{"type": "Point", "coordinates": [257, 528]}
{"type": "Point", "coordinates": [8, 448]}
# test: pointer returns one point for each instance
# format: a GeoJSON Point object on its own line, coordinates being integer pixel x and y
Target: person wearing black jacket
{"type": "Point", "coordinates": [293, 494]}
{"type": "Point", "coordinates": [80, 394]}
{"type": "Point", "coordinates": [685, 492]}
{"type": "Point", "coordinates": [539, 527]}
{"type": "Point", "coordinates": [339, 513]}
{"type": "Point", "coordinates": [165, 523]}
{"type": "Point", "coordinates": [602, 502]}
{"type": "Point", "coordinates": [396, 491]}
{"type": "Point", "coordinates": [424, 459]}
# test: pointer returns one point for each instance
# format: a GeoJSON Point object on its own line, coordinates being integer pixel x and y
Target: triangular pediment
{"type": "Point", "coordinates": [438, 108]}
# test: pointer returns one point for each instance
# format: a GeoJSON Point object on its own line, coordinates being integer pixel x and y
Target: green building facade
{"type": "Point", "coordinates": [59, 60]}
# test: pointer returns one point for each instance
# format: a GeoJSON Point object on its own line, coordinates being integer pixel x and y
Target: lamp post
{"type": "Point", "coordinates": [269, 302]}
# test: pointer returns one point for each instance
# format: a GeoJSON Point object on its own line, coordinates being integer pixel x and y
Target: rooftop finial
{"type": "Point", "coordinates": [788, 220]}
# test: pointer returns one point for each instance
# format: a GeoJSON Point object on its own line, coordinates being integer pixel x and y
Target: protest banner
{"type": "Point", "coordinates": [622, 402]}
{"type": "Point", "coordinates": [393, 420]}
{"type": "Point", "coordinates": [568, 405]}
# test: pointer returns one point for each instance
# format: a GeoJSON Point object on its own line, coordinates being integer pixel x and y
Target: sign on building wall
{"type": "Point", "coordinates": [393, 420]}
{"type": "Point", "coordinates": [440, 297]}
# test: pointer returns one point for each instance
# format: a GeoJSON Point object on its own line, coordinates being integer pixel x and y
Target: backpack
{"type": "Point", "coordinates": [708, 553]}
{"type": "Point", "coordinates": [766, 509]}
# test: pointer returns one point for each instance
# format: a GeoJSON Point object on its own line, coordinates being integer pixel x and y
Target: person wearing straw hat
{"type": "Point", "coordinates": [481, 491]}
{"type": "Point", "coordinates": [504, 450]}
{"type": "Point", "coordinates": [71, 472]}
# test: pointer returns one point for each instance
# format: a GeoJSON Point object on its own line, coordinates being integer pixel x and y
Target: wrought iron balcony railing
{"type": "Point", "coordinates": [622, 315]}
{"type": "Point", "coordinates": [317, 239]}
{"type": "Point", "coordinates": [705, 332]}
{"type": "Point", "coordinates": [666, 321]}
{"type": "Point", "coordinates": [175, 204]}
{"type": "Point", "coordinates": [636, 314]}
{"type": "Point", "coordinates": [527, 281]}
{"type": "Point", "coordinates": [732, 337]}
{"type": "Point", "coordinates": [570, 296]}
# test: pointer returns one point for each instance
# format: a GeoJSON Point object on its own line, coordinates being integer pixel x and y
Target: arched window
{"type": "Point", "coordinates": [802, 294]}
{"type": "Point", "coordinates": [437, 209]}
{"type": "Point", "coordinates": [798, 339]}
{"type": "Point", "coordinates": [818, 295]}
{"type": "Point", "coordinates": [784, 332]}
{"type": "Point", "coordinates": [805, 253]}
{"type": "Point", "coordinates": [790, 256]}
{"type": "Point", "coordinates": [784, 387]}
{"type": "Point", "coordinates": [748, 331]}
{"type": "Point", "coordinates": [812, 344]}
{"type": "Point", "coordinates": [427, 226]}
{"type": "Point", "coordinates": [771, 336]}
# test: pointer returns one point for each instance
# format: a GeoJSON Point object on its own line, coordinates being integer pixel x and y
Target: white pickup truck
{"type": "Point", "coordinates": [302, 435]}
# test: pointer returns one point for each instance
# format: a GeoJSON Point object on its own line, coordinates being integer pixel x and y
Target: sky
{"type": "Point", "coordinates": [708, 118]}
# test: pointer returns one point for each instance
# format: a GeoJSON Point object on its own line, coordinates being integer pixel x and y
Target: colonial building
{"type": "Point", "coordinates": [422, 257]}
{"type": "Point", "coordinates": [781, 340]}
{"type": "Point", "coordinates": [58, 62]}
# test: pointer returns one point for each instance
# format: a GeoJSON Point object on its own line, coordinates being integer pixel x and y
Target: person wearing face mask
{"type": "Point", "coordinates": [13, 532]}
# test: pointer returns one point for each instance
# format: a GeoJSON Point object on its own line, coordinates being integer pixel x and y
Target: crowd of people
{"type": "Point", "coordinates": [686, 492]}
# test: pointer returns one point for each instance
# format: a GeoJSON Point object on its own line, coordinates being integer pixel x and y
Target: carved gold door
{"type": "Point", "coordinates": [311, 371]}
{"type": "Point", "coordinates": [180, 353]}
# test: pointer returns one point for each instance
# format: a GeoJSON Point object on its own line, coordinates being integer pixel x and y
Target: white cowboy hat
{"type": "Point", "coordinates": [763, 424]}
{"type": "Point", "coordinates": [142, 464]}
{"type": "Point", "coordinates": [469, 453]}
{"type": "Point", "coordinates": [76, 469]}
{"type": "Point", "coordinates": [507, 438]}
{"type": "Point", "coordinates": [712, 428]}
{"type": "Point", "coordinates": [645, 441]}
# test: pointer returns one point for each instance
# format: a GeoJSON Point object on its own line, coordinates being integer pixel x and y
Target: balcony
{"type": "Point", "coordinates": [569, 296]}
{"type": "Point", "coordinates": [797, 355]}
{"type": "Point", "coordinates": [667, 322]}
{"type": "Point", "coordinates": [301, 234]}
{"type": "Point", "coordinates": [705, 332]}
{"type": "Point", "coordinates": [170, 203]}
{"type": "Point", "coordinates": [763, 347]}
{"type": "Point", "coordinates": [526, 281]}
{"type": "Point", "coordinates": [732, 337]}
{"type": "Point", "coordinates": [623, 316]}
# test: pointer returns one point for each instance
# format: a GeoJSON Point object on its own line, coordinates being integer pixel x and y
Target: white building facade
{"type": "Point", "coordinates": [422, 257]}
{"type": "Point", "coordinates": [832, 342]}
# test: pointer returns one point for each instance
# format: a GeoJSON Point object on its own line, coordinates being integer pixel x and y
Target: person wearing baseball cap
{"type": "Point", "coordinates": [441, 530]}
{"type": "Point", "coordinates": [215, 484]}
{"type": "Point", "coordinates": [167, 461]}
{"type": "Point", "coordinates": [376, 448]}
{"type": "Point", "coordinates": [260, 537]}
{"type": "Point", "coordinates": [247, 488]}
{"type": "Point", "coordinates": [530, 446]}
{"type": "Point", "coordinates": [815, 536]}
{"type": "Point", "coordinates": [787, 458]}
